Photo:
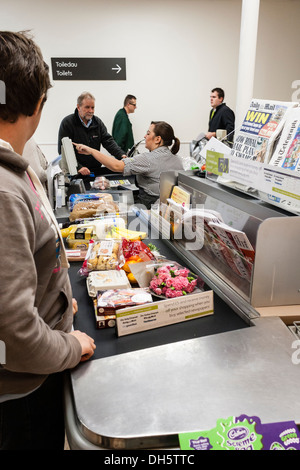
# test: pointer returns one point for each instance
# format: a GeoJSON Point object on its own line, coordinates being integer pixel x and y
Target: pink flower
{"type": "Point", "coordinates": [157, 291]}
{"type": "Point", "coordinates": [162, 277]}
{"type": "Point", "coordinates": [154, 283]}
{"type": "Point", "coordinates": [182, 272]}
{"type": "Point", "coordinates": [164, 270]}
{"type": "Point", "coordinates": [189, 288]}
{"type": "Point", "coordinates": [173, 281]}
{"type": "Point", "coordinates": [180, 283]}
{"type": "Point", "coordinates": [173, 293]}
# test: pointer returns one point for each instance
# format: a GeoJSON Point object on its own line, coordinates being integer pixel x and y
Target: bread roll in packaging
{"type": "Point", "coordinates": [104, 255]}
{"type": "Point", "coordinates": [91, 205]}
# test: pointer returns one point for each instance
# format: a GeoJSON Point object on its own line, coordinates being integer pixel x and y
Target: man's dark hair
{"type": "Point", "coordinates": [128, 98]}
{"type": "Point", "coordinates": [24, 73]}
{"type": "Point", "coordinates": [220, 92]}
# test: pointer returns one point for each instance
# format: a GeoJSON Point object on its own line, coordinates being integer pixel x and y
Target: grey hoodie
{"type": "Point", "coordinates": [35, 293]}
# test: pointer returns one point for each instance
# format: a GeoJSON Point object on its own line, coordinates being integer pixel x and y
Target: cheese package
{"type": "Point", "coordinates": [103, 280]}
{"type": "Point", "coordinates": [79, 237]}
{"type": "Point", "coordinates": [77, 244]}
{"type": "Point", "coordinates": [81, 233]}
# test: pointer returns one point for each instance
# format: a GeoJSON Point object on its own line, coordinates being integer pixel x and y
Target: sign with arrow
{"type": "Point", "coordinates": [84, 68]}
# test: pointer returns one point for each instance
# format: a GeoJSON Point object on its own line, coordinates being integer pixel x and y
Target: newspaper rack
{"type": "Point", "coordinates": [274, 234]}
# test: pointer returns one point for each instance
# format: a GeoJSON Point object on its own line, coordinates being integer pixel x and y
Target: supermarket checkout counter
{"type": "Point", "coordinates": [139, 391]}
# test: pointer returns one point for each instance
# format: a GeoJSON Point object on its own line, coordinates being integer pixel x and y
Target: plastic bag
{"type": "Point", "coordinates": [101, 182]}
{"type": "Point", "coordinates": [104, 255]}
{"type": "Point", "coordinates": [86, 207]}
{"type": "Point", "coordinates": [134, 249]}
{"type": "Point", "coordinates": [190, 164]}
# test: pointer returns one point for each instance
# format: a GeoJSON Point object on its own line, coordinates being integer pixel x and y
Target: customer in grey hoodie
{"type": "Point", "coordinates": [36, 300]}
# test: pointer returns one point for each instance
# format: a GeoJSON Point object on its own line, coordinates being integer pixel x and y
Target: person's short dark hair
{"type": "Point", "coordinates": [25, 74]}
{"type": "Point", "coordinates": [128, 98]}
{"type": "Point", "coordinates": [166, 132]}
{"type": "Point", "coordinates": [220, 92]}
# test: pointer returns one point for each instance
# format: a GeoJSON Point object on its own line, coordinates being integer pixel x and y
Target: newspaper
{"type": "Point", "coordinates": [287, 153]}
{"type": "Point", "coordinates": [228, 245]}
{"type": "Point", "coordinates": [236, 248]}
{"type": "Point", "coordinates": [196, 230]}
{"type": "Point", "coordinates": [261, 127]}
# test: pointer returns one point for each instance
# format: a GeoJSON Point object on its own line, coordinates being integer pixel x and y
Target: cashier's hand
{"type": "Point", "coordinates": [87, 344]}
{"type": "Point", "coordinates": [81, 148]}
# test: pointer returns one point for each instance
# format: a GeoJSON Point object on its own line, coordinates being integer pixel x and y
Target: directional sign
{"type": "Point", "coordinates": [85, 68]}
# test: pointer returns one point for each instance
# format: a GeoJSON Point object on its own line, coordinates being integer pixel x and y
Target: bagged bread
{"type": "Point", "coordinates": [93, 207]}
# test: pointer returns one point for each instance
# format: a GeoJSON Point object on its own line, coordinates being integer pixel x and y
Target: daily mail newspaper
{"type": "Point", "coordinates": [287, 152]}
{"type": "Point", "coordinates": [261, 127]}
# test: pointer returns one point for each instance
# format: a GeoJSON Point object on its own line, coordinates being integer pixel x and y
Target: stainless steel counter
{"type": "Point", "coordinates": [144, 398]}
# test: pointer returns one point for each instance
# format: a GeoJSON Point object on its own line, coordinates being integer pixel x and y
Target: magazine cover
{"type": "Point", "coordinates": [261, 127]}
{"type": "Point", "coordinates": [287, 153]}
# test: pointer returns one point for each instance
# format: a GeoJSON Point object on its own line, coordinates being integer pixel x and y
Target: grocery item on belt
{"type": "Point", "coordinates": [102, 280]}
{"type": "Point", "coordinates": [85, 207]}
{"type": "Point", "coordinates": [104, 255]}
{"type": "Point", "coordinates": [101, 182]}
{"type": "Point", "coordinates": [111, 300]}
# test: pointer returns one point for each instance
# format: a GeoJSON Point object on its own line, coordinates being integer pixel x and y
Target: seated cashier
{"type": "Point", "coordinates": [146, 166]}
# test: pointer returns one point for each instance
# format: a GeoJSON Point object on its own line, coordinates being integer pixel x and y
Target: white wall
{"type": "Point", "coordinates": [277, 58]}
{"type": "Point", "coordinates": [175, 50]}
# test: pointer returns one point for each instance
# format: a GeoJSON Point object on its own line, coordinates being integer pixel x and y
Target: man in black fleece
{"type": "Point", "coordinates": [83, 127]}
{"type": "Point", "coordinates": [220, 116]}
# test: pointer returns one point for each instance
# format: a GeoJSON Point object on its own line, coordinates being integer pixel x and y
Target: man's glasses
{"type": "Point", "coordinates": [133, 104]}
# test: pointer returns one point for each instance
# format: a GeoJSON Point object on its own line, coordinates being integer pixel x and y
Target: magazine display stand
{"type": "Point", "coordinates": [272, 232]}
{"type": "Point", "coordinates": [264, 161]}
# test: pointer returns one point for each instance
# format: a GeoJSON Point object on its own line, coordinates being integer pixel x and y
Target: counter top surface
{"type": "Point", "coordinates": [146, 397]}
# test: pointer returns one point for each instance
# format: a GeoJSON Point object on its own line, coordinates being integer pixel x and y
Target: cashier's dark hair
{"type": "Point", "coordinates": [23, 73]}
{"type": "Point", "coordinates": [165, 131]}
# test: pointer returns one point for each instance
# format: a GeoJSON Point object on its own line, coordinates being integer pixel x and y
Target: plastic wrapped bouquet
{"type": "Point", "coordinates": [172, 281]}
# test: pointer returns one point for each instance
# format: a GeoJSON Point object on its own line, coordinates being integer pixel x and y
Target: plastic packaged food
{"type": "Point", "coordinates": [104, 255]}
{"type": "Point", "coordinates": [111, 300]}
{"type": "Point", "coordinates": [92, 207]}
{"type": "Point", "coordinates": [101, 182]}
{"type": "Point", "coordinates": [104, 227]}
{"type": "Point", "coordinates": [75, 198]}
{"type": "Point", "coordinates": [81, 233]}
{"type": "Point", "coordinates": [77, 244]}
{"type": "Point", "coordinates": [103, 280]}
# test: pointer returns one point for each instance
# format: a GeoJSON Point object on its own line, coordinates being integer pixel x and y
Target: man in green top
{"type": "Point", "coordinates": [122, 127]}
